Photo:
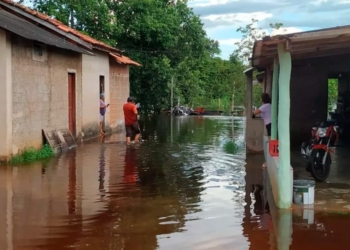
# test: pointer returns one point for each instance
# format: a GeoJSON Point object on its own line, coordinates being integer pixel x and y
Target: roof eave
{"type": "Point", "coordinates": [17, 8]}
{"type": "Point", "coordinates": [124, 60]}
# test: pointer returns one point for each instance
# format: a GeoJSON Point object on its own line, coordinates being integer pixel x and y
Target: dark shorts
{"type": "Point", "coordinates": [132, 130]}
{"type": "Point", "coordinates": [268, 128]}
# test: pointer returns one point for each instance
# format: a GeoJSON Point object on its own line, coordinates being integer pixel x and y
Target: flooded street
{"type": "Point", "coordinates": [187, 186]}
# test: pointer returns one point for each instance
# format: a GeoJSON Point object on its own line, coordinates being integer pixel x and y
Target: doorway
{"type": "Point", "coordinates": [71, 104]}
{"type": "Point", "coordinates": [332, 94]}
{"type": "Point", "coordinates": [102, 90]}
{"type": "Point", "coordinates": [102, 84]}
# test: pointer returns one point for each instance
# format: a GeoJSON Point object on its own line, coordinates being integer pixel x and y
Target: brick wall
{"type": "Point", "coordinates": [40, 91]}
{"type": "Point", "coordinates": [119, 92]}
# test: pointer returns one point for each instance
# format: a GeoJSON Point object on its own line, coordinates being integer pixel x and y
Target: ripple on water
{"type": "Point", "coordinates": [177, 190]}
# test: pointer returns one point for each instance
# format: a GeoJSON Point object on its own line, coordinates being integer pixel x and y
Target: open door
{"type": "Point", "coordinates": [71, 104]}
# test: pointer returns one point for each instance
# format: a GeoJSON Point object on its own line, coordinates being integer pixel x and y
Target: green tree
{"type": "Point", "coordinates": [250, 34]}
{"type": "Point", "coordinates": [87, 16]}
{"type": "Point", "coordinates": [167, 38]}
{"type": "Point", "coordinates": [332, 93]}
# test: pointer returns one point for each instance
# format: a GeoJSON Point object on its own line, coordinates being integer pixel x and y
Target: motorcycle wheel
{"type": "Point", "coordinates": [319, 171]}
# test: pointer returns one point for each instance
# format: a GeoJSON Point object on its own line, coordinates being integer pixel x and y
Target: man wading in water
{"type": "Point", "coordinates": [131, 125]}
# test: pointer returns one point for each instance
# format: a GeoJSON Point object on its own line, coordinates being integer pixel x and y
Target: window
{"type": "Point", "coordinates": [38, 49]}
{"type": "Point", "coordinates": [39, 52]}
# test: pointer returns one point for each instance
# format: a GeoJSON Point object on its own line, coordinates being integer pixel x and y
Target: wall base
{"type": "Point", "coordinates": [272, 169]}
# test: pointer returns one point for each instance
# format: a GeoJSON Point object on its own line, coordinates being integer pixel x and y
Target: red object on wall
{"type": "Point", "coordinates": [273, 148]}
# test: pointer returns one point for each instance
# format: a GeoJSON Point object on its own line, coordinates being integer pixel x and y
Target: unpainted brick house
{"type": "Point", "coordinates": [51, 77]}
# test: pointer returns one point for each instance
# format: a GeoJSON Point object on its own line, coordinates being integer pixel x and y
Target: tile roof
{"type": "Point", "coordinates": [26, 29]}
{"type": "Point", "coordinates": [65, 28]}
{"type": "Point", "coordinates": [124, 60]}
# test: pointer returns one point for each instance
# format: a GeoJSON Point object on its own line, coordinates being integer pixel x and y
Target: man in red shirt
{"type": "Point", "coordinates": [131, 125]}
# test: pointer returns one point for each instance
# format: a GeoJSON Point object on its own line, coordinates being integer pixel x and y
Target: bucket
{"type": "Point", "coordinates": [304, 192]}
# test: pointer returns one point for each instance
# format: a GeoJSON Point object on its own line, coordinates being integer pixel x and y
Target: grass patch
{"type": "Point", "coordinates": [230, 147]}
{"type": "Point", "coordinates": [32, 154]}
{"type": "Point", "coordinates": [337, 214]}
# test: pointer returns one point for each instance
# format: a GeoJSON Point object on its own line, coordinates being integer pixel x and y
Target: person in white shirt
{"type": "Point", "coordinates": [265, 112]}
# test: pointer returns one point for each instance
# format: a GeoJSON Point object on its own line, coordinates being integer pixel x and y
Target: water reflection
{"type": "Point", "coordinates": [188, 186]}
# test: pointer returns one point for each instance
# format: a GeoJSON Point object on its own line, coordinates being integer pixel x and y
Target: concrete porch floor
{"type": "Point", "coordinates": [334, 194]}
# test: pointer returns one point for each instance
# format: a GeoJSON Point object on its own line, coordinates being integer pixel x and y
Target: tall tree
{"type": "Point", "coordinates": [251, 33]}
{"type": "Point", "coordinates": [87, 16]}
{"type": "Point", "coordinates": [166, 37]}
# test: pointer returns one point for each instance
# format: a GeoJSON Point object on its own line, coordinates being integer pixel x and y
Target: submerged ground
{"type": "Point", "coordinates": [189, 185]}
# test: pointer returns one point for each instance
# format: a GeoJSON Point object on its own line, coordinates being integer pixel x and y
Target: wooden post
{"type": "Point", "coordinates": [172, 93]}
{"type": "Point", "coordinates": [284, 168]}
{"type": "Point", "coordinates": [233, 104]}
{"type": "Point", "coordinates": [274, 104]}
{"type": "Point", "coordinates": [171, 128]}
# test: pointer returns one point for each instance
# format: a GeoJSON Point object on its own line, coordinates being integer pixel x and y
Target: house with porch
{"type": "Point", "coordinates": [296, 69]}
{"type": "Point", "coordinates": [51, 78]}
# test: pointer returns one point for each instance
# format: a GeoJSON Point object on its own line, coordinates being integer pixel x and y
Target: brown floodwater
{"type": "Point", "coordinates": [188, 185]}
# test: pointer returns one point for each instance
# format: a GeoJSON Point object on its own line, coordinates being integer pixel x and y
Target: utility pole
{"type": "Point", "coordinates": [172, 93]}
{"type": "Point", "coordinates": [233, 98]}
{"type": "Point", "coordinates": [233, 104]}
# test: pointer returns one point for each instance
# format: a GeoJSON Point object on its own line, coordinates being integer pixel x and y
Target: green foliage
{"type": "Point", "coordinates": [230, 147]}
{"type": "Point", "coordinates": [167, 38]}
{"type": "Point", "coordinates": [91, 17]}
{"type": "Point", "coordinates": [32, 154]}
{"type": "Point", "coordinates": [257, 90]}
{"type": "Point", "coordinates": [332, 93]}
{"type": "Point", "coordinates": [250, 34]}
{"type": "Point", "coordinates": [276, 25]}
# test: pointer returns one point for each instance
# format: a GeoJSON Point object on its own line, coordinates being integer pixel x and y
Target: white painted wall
{"type": "Point", "coordinates": [5, 96]}
{"type": "Point", "coordinates": [92, 68]}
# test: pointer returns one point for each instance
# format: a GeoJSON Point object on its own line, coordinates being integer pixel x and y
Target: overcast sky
{"type": "Point", "coordinates": [221, 18]}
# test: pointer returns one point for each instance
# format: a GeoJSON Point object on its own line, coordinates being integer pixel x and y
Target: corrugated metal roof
{"type": "Point", "coordinates": [301, 45]}
{"type": "Point", "coordinates": [28, 30]}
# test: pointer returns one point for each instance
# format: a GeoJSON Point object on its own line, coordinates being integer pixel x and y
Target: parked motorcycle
{"type": "Point", "coordinates": [317, 150]}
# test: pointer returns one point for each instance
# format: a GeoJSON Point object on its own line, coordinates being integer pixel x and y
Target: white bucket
{"type": "Point", "coordinates": [304, 192]}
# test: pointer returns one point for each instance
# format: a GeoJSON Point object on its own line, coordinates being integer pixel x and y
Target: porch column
{"type": "Point", "coordinates": [5, 96]}
{"type": "Point", "coordinates": [274, 104]}
{"type": "Point", "coordinates": [249, 91]}
{"type": "Point", "coordinates": [284, 172]}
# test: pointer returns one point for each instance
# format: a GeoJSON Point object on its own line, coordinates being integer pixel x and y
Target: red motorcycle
{"type": "Point", "coordinates": [318, 152]}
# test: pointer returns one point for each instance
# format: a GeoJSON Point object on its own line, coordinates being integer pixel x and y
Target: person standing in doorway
{"type": "Point", "coordinates": [103, 108]}
{"type": "Point", "coordinates": [265, 112]}
{"type": "Point", "coordinates": [131, 125]}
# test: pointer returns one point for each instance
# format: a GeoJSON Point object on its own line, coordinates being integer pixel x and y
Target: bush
{"type": "Point", "coordinates": [33, 154]}
{"type": "Point", "coordinates": [230, 147]}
